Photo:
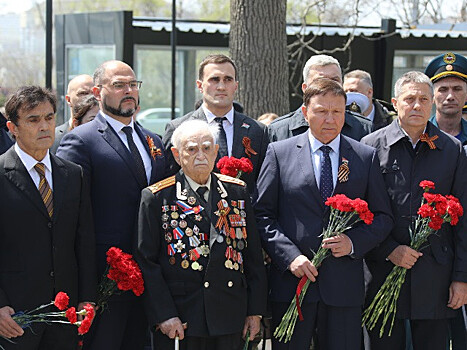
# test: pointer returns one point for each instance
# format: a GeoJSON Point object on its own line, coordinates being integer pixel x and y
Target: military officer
{"type": "Point", "coordinates": [199, 251]}
{"type": "Point", "coordinates": [448, 73]}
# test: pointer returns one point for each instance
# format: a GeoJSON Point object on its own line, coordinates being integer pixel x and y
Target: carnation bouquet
{"type": "Point", "coordinates": [122, 274]}
{"type": "Point", "coordinates": [234, 167]}
{"type": "Point", "coordinates": [435, 210]}
{"type": "Point", "coordinates": [66, 315]}
{"type": "Point", "coordinates": [345, 213]}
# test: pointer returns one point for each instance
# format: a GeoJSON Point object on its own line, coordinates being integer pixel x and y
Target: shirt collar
{"type": "Point", "coordinates": [194, 185]}
{"type": "Point", "coordinates": [371, 116]}
{"type": "Point", "coordinates": [210, 116]}
{"type": "Point", "coordinates": [115, 124]}
{"type": "Point", "coordinates": [316, 144]}
{"type": "Point", "coordinates": [29, 162]}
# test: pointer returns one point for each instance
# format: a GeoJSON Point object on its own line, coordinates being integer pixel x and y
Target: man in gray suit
{"type": "Point", "coordinates": [239, 135]}
{"type": "Point", "coordinates": [294, 123]}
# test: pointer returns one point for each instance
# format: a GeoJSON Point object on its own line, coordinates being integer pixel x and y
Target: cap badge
{"type": "Point", "coordinates": [449, 58]}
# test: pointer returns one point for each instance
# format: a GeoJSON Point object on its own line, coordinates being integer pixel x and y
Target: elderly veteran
{"type": "Point", "coordinates": [412, 149]}
{"type": "Point", "coordinates": [199, 251]}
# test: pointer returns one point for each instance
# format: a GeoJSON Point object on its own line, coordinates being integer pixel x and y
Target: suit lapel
{"type": "Point", "coordinates": [306, 166]}
{"type": "Point", "coordinates": [109, 135]}
{"type": "Point", "coordinates": [60, 183]}
{"type": "Point", "coordinates": [345, 152]}
{"type": "Point", "coordinates": [17, 174]}
{"type": "Point", "coordinates": [241, 128]}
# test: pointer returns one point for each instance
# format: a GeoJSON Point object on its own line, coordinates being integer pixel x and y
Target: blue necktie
{"type": "Point", "coordinates": [325, 182]}
{"type": "Point", "coordinates": [221, 139]}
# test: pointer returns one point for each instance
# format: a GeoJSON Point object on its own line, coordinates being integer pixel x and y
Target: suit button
{"type": "Point", "coordinates": [49, 224]}
{"type": "Point", "coordinates": [51, 273]}
{"type": "Point", "coordinates": [206, 284]}
{"type": "Point", "coordinates": [230, 284]}
{"type": "Point", "coordinates": [445, 249]}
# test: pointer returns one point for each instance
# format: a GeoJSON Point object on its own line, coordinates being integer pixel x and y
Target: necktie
{"type": "Point", "coordinates": [325, 182]}
{"type": "Point", "coordinates": [135, 154]}
{"type": "Point", "coordinates": [221, 139]}
{"type": "Point", "coordinates": [201, 191]}
{"type": "Point", "coordinates": [44, 189]}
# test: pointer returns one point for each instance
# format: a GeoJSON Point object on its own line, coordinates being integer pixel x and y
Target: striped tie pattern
{"type": "Point", "coordinates": [44, 189]}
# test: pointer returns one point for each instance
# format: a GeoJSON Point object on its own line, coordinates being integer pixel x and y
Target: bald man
{"type": "Point", "coordinates": [78, 88]}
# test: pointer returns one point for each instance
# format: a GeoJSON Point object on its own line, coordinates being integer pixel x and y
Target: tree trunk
{"type": "Point", "coordinates": [258, 45]}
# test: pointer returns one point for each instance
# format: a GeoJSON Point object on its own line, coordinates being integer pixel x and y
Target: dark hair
{"type": "Point", "coordinates": [216, 59]}
{"type": "Point", "coordinates": [323, 86]}
{"type": "Point", "coordinates": [83, 106]}
{"type": "Point", "coordinates": [27, 98]}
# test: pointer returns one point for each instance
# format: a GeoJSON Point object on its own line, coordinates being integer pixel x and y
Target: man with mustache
{"type": "Point", "coordinates": [119, 159]}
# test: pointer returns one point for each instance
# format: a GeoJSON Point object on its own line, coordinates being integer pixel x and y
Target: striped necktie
{"type": "Point", "coordinates": [44, 189]}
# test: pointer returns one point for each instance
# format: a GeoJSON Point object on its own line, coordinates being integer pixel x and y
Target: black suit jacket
{"type": "Point", "coordinates": [6, 141]}
{"type": "Point", "coordinates": [243, 127]}
{"type": "Point", "coordinates": [294, 124]}
{"type": "Point", "coordinates": [60, 131]}
{"type": "Point", "coordinates": [291, 216]}
{"type": "Point", "coordinates": [41, 256]}
{"type": "Point", "coordinates": [425, 292]}
{"type": "Point", "coordinates": [216, 300]}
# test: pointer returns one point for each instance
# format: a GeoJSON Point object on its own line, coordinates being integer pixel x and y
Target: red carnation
{"type": "Point", "coordinates": [426, 185]}
{"type": "Point", "coordinates": [436, 222]}
{"type": "Point", "coordinates": [124, 271]}
{"type": "Point", "coordinates": [360, 205]}
{"type": "Point", "coordinates": [61, 301]}
{"type": "Point", "coordinates": [89, 311]}
{"type": "Point", "coordinates": [367, 217]}
{"type": "Point", "coordinates": [234, 167]}
{"type": "Point", "coordinates": [71, 315]}
{"type": "Point", "coordinates": [426, 211]}
{"type": "Point", "coordinates": [84, 327]}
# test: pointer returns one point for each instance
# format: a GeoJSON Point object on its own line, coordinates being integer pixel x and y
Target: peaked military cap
{"type": "Point", "coordinates": [447, 65]}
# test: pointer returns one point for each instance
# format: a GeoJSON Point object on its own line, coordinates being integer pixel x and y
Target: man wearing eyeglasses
{"type": "Point", "coordinates": [119, 158]}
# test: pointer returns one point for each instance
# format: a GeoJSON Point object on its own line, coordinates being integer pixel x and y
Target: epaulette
{"type": "Point", "coordinates": [170, 181]}
{"type": "Point", "coordinates": [230, 179]}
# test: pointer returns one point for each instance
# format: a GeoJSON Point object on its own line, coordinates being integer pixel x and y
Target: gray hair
{"type": "Point", "coordinates": [360, 74]}
{"type": "Point", "coordinates": [412, 77]}
{"type": "Point", "coordinates": [191, 127]}
{"type": "Point", "coordinates": [318, 61]}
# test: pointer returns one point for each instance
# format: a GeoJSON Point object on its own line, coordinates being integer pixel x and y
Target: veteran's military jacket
{"type": "Point", "coordinates": [203, 265]}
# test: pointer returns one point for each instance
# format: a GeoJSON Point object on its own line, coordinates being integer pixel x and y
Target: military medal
{"type": "Point", "coordinates": [182, 216]}
{"type": "Point", "coordinates": [234, 243]}
{"type": "Point", "coordinates": [235, 266]}
{"type": "Point", "coordinates": [174, 215]}
{"type": "Point", "coordinates": [165, 217]}
{"type": "Point", "coordinates": [204, 250]}
{"type": "Point", "coordinates": [195, 265]}
{"type": "Point", "coordinates": [238, 233]}
{"type": "Point", "coordinates": [165, 226]}
{"type": "Point", "coordinates": [168, 237]}
{"type": "Point", "coordinates": [178, 233]}
{"type": "Point", "coordinates": [240, 245]}
{"type": "Point", "coordinates": [196, 229]}
{"type": "Point", "coordinates": [165, 208]}
{"type": "Point", "coordinates": [174, 223]}
{"type": "Point", "coordinates": [189, 232]}
{"type": "Point", "coordinates": [194, 241]}
{"type": "Point", "coordinates": [228, 240]}
{"type": "Point", "coordinates": [185, 264]}
{"type": "Point", "coordinates": [171, 249]}
{"type": "Point", "coordinates": [179, 246]}
{"type": "Point", "coordinates": [172, 260]}
{"type": "Point", "coordinates": [228, 264]}
{"type": "Point", "coordinates": [182, 224]}
{"type": "Point", "coordinates": [236, 211]}
{"type": "Point", "coordinates": [191, 200]}
{"type": "Point", "coordinates": [198, 217]}
{"type": "Point", "coordinates": [220, 239]}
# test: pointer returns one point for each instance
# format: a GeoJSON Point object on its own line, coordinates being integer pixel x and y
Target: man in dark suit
{"type": "Point", "coordinates": [410, 150]}
{"type": "Point", "coordinates": [200, 252]}
{"type": "Point", "coordinates": [119, 159]}
{"type": "Point", "coordinates": [5, 139]}
{"type": "Point", "coordinates": [297, 176]}
{"type": "Point", "coordinates": [78, 88]}
{"type": "Point", "coordinates": [379, 112]}
{"type": "Point", "coordinates": [294, 123]}
{"type": "Point", "coordinates": [240, 136]}
{"type": "Point", "coordinates": [46, 235]}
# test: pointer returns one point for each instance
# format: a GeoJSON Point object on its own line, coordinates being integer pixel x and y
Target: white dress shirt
{"type": "Point", "coordinates": [29, 163]}
{"type": "Point", "coordinates": [118, 126]}
{"type": "Point", "coordinates": [227, 124]}
{"type": "Point", "coordinates": [317, 156]}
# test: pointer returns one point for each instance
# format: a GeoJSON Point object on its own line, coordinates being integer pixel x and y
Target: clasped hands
{"type": "Point", "coordinates": [339, 245]}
